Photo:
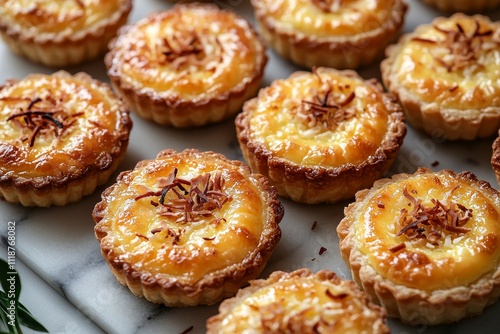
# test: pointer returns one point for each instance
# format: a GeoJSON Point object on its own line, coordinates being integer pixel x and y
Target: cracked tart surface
{"type": "Point", "coordinates": [62, 136]}
{"type": "Point", "coordinates": [332, 33]}
{"type": "Point", "coordinates": [426, 246]}
{"type": "Point", "coordinates": [320, 136]}
{"type": "Point", "coordinates": [188, 228]}
{"type": "Point", "coordinates": [179, 68]}
{"type": "Point", "coordinates": [447, 76]}
{"type": "Point", "coordinates": [61, 33]}
{"type": "Point", "coordinates": [299, 302]}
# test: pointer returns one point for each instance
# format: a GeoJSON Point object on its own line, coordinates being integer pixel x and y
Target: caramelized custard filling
{"type": "Point", "coordinates": [430, 232]}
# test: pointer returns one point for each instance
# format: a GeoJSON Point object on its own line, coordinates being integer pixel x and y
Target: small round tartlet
{"type": "Point", "coordinates": [320, 136]}
{"type": "Point", "coordinates": [330, 33]}
{"type": "Point", "coordinates": [425, 246]}
{"type": "Point", "coordinates": [62, 135]}
{"type": "Point", "coordinates": [299, 302]}
{"type": "Point", "coordinates": [189, 66]}
{"type": "Point", "coordinates": [188, 228]}
{"type": "Point", "coordinates": [467, 6]}
{"type": "Point", "coordinates": [447, 76]}
{"type": "Point", "coordinates": [61, 33]}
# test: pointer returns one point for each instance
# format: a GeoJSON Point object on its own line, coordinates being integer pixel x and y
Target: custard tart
{"type": "Point", "coordinates": [61, 33]}
{"type": "Point", "coordinates": [447, 76]}
{"type": "Point", "coordinates": [332, 33]}
{"type": "Point", "coordinates": [425, 246]}
{"type": "Point", "coordinates": [62, 136]}
{"type": "Point", "coordinates": [189, 66]}
{"type": "Point", "coordinates": [188, 228]}
{"type": "Point", "coordinates": [320, 136]}
{"type": "Point", "coordinates": [464, 5]}
{"type": "Point", "coordinates": [299, 302]}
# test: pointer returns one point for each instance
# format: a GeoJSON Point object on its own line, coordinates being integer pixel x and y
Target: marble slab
{"type": "Point", "coordinates": [58, 244]}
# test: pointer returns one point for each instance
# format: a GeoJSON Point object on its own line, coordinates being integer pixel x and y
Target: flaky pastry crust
{"type": "Point", "coordinates": [447, 76]}
{"type": "Point", "coordinates": [321, 136]}
{"type": "Point", "coordinates": [61, 33]}
{"type": "Point", "coordinates": [464, 5]}
{"type": "Point", "coordinates": [178, 68]}
{"type": "Point", "coordinates": [426, 246]}
{"type": "Point", "coordinates": [323, 32]}
{"type": "Point", "coordinates": [299, 302]}
{"type": "Point", "coordinates": [188, 228]}
{"type": "Point", "coordinates": [62, 136]}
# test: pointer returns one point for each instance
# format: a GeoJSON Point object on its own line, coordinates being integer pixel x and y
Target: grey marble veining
{"type": "Point", "coordinates": [59, 245]}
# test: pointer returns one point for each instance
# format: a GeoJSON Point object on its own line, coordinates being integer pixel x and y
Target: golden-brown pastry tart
{"type": "Point", "coordinates": [299, 302]}
{"type": "Point", "coordinates": [188, 227]}
{"type": "Point", "coordinates": [447, 76]}
{"type": "Point", "coordinates": [62, 135]}
{"type": "Point", "coordinates": [426, 246]}
{"type": "Point", "coordinates": [464, 5]}
{"type": "Point", "coordinates": [320, 136]}
{"type": "Point", "coordinates": [61, 33]}
{"type": "Point", "coordinates": [189, 66]}
{"type": "Point", "coordinates": [331, 33]}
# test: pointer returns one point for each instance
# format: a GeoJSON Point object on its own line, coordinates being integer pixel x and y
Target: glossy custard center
{"type": "Point", "coordinates": [466, 77]}
{"type": "Point", "coordinates": [88, 114]}
{"type": "Point", "coordinates": [164, 245]}
{"type": "Point", "coordinates": [459, 259]}
{"type": "Point", "coordinates": [327, 18]}
{"type": "Point", "coordinates": [66, 17]}
{"type": "Point", "coordinates": [183, 55]}
{"type": "Point", "coordinates": [357, 128]}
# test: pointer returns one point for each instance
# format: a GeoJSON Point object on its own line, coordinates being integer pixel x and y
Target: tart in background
{"type": "Point", "coordinates": [320, 136]}
{"type": "Point", "coordinates": [61, 33]}
{"type": "Point", "coordinates": [62, 135]}
{"type": "Point", "coordinates": [495, 158]}
{"type": "Point", "coordinates": [189, 66]}
{"type": "Point", "coordinates": [188, 228]}
{"type": "Point", "coordinates": [425, 246]}
{"type": "Point", "coordinates": [299, 302]}
{"type": "Point", "coordinates": [447, 76]}
{"type": "Point", "coordinates": [330, 33]}
{"type": "Point", "coordinates": [464, 5]}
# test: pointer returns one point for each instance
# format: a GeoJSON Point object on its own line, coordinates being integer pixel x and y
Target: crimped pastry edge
{"type": "Point", "coordinates": [171, 291]}
{"type": "Point", "coordinates": [336, 51]}
{"type": "Point", "coordinates": [495, 158]}
{"type": "Point", "coordinates": [414, 306]}
{"type": "Point", "coordinates": [50, 191]}
{"type": "Point", "coordinates": [182, 113]}
{"type": "Point", "coordinates": [55, 50]}
{"type": "Point", "coordinates": [463, 5]}
{"type": "Point", "coordinates": [313, 185]}
{"type": "Point", "coordinates": [448, 123]}
{"type": "Point", "coordinates": [225, 308]}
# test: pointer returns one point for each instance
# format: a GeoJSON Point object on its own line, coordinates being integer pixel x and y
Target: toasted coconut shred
{"type": "Point", "coordinates": [42, 117]}
{"type": "Point", "coordinates": [329, 107]}
{"type": "Point", "coordinates": [460, 48]}
{"type": "Point", "coordinates": [187, 201]}
{"type": "Point", "coordinates": [328, 6]}
{"type": "Point", "coordinates": [440, 224]}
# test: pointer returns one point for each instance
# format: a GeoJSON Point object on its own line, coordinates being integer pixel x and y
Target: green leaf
{"type": "Point", "coordinates": [13, 329]}
{"type": "Point", "coordinates": [26, 319]}
{"type": "Point", "coordinates": [23, 317]}
{"type": "Point", "coordinates": [6, 276]}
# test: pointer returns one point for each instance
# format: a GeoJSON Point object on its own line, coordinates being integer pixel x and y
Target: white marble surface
{"type": "Point", "coordinates": [41, 300]}
{"type": "Point", "coordinates": [58, 244]}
